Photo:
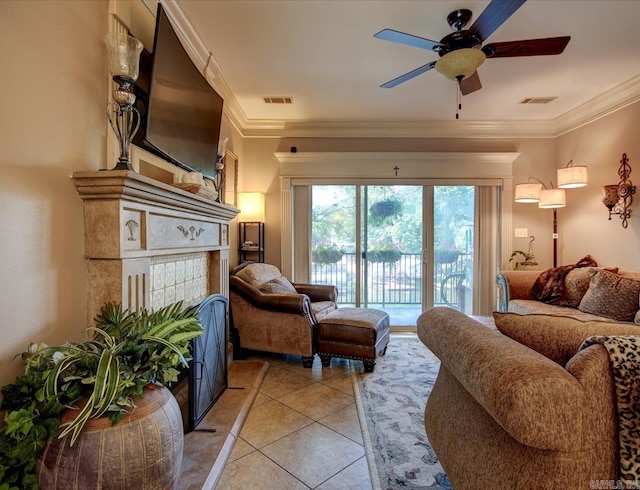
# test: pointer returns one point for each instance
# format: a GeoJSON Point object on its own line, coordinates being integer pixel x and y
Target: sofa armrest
{"type": "Point", "coordinates": [515, 285]}
{"type": "Point", "coordinates": [534, 399]}
{"type": "Point", "coordinates": [287, 303]}
{"type": "Point", "coordinates": [318, 292]}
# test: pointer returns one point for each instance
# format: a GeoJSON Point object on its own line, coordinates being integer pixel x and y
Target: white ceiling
{"type": "Point", "coordinates": [323, 54]}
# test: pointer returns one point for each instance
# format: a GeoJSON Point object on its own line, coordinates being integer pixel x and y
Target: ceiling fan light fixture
{"type": "Point", "coordinates": [461, 63]}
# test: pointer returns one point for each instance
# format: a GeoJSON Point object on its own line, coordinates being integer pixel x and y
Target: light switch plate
{"type": "Point", "coordinates": [521, 232]}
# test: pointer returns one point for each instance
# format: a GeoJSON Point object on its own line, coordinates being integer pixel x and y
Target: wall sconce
{"type": "Point", "coordinates": [218, 179]}
{"type": "Point", "coordinates": [251, 205]}
{"type": "Point", "coordinates": [618, 197]}
{"type": "Point", "coordinates": [124, 57]}
{"type": "Point", "coordinates": [550, 197]}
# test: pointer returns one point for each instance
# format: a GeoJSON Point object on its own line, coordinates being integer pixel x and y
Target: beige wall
{"type": "Point", "coordinates": [584, 223]}
{"type": "Point", "coordinates": [52, 122]}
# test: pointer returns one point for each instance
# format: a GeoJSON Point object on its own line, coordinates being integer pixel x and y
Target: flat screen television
{"type": "Point", "coordinates": [184, 112]}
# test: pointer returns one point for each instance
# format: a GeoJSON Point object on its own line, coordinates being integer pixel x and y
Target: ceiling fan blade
{"type": "Point", "coordinates": [530, 47]}
{"type": "Point", "coordinates": [408, 76]}
{"type": "Point", "coordinates": [470, 84]}
{"type": "Point", "coordinates": [407, 39]}
{"type": "Point", "coordinates": [493, 17]}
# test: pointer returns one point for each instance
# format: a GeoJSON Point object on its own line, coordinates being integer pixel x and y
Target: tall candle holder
{"type": "Point", "coordinates": [124, 57]}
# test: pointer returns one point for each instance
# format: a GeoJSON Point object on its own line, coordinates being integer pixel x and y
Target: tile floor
{"type": "Point", "coordinates": [302, 432]}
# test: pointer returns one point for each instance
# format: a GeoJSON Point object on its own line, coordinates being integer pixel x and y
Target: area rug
{"type": "Point", "coordinates": [391, 403]}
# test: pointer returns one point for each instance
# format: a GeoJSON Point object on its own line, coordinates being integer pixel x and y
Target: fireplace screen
{"type": "Point", "coordinates": [208, 368]}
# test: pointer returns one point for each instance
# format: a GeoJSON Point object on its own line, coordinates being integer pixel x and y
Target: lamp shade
{"type": "Point", "coordinates": [460, 63]}
{"type": "Point", "coordinates": [527, 193]}
{"type": "Point", "coordinates": [251, 205]}
{"type": "Point", "coordinates": [552, 198]}
{"type": "Point", "coordinates": [572, 177]}
{"type": "Point", "coordinates": [124, 55]}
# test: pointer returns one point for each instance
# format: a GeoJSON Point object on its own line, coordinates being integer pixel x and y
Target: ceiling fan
{"type": "Point", "coordinates": [461, 52]}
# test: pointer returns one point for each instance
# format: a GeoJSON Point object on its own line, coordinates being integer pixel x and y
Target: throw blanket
{"type": "Point", "coordinates": [624, 354]}
{"type": "Point", "coordinates": [549, 286]}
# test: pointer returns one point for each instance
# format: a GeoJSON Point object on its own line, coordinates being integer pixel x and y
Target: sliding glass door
{"type": "Point", "coordinates": [377, 243]}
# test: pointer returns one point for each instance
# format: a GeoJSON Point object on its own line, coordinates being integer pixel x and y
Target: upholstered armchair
{"type": "Point", "coordinates": [269, 313]}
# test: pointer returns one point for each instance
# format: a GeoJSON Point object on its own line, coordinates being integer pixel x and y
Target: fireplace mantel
{"type": "Point", "coordinates": [148, 243]}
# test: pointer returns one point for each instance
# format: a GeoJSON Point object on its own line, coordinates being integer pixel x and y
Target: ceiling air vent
{"type": "Point", "coordinates": [537, 100]}
{"type": "Point", "coordinates": [278, 100]}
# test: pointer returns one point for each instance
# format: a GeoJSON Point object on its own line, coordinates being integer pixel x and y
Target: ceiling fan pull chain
{"type": "Point", "coordinates": [458, 98]}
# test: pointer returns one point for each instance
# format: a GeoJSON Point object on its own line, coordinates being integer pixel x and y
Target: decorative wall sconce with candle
{"type": "Point", "coordinates": [569, 177]}
{"type": "Point", "coordinates": [618, 197]}
{"type": "Point", "coordinates": [124, 58]}
{"type": "Point", "coordinates": [218, 179]}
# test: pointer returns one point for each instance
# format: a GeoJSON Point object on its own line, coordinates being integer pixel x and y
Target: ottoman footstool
{"type": "Point", "coordinates": [353, 333]}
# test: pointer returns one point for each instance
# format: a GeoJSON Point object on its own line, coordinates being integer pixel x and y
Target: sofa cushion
{"type": "Point", "coordinates": [533, 307]}
{"type": "Point", "coordinates": [611, 295]}
{"type": "Point", "coordinates": [277, 285]}
{"type": "Point", "coordinates": [557, 337]}
{"type": "Point", "coordinates": [575, 286]}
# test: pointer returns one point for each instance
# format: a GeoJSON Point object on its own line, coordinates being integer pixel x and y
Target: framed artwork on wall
{"type": "Point", "coordinates": [230, 183]}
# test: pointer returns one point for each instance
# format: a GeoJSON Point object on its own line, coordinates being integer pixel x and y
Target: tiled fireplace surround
{"type": "Point", "coordinates": [149, 244]}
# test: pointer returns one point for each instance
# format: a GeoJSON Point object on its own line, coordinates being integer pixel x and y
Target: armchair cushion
{"type": "Point", "coordinates": [557, 337]}
{"type": "Point", "coordinates": [277, 285]}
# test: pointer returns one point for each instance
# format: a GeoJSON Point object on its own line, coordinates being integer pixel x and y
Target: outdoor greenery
{"type": "Point", "coordinates": [128, 351]}
{"type": "Point", "coordinates": [334, 219]}
{"type": "Point", "coordinates": [386, 251]}
{"type": "Point", "coordinates": [327, 253]}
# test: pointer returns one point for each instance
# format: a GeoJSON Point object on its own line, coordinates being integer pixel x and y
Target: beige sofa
{"type": "Point", "coordinates": [502, 415]}
{"type": "Point", "coordinates": [270, 314]}
{"type": "Point", "coordinates": [611, 296]}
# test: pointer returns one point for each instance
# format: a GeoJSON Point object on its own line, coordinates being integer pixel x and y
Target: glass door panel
{"type": "Point", "coordinates": [453, 217]}
{"type": "Point", "coordinates": [333, 239]}
{"type": "Point", "coordinates": [392, 251]}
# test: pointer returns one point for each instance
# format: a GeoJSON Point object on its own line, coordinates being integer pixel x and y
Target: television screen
{"type": "Point", "coordinates": [184, 111]}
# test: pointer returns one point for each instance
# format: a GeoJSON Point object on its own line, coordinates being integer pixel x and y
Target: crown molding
{"type": "Point", "coordinates": [399, 157]}
{"type": "Point", "coordinates": [618, 97]}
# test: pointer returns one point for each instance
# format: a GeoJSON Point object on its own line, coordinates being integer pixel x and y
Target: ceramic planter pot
{"type": "Point", "coordinates": [141, 451]}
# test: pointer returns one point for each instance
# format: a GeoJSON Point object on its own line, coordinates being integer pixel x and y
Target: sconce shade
{"type": "Point", "coordinates": [251, 205]}
{"type": "Point", "coordinates": [528, 193]}
{"type": "Point", "coordinates": [460, 63]}
{"type": "Point", "coordinates": [610, 196]}
{"type": "Point", "coordinates": [552, 198]}
{"type": "Point", "coordinates": [572, 177]}
{"type": "Point", "coordinates": [124, 55]}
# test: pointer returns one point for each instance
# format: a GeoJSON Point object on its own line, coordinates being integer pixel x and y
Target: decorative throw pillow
{"type": "Point", "coordinates": [557, 337]}
{"type": "Point", "coordinates": [575, 286]}
{"type": "Point", "coordinates": [278, 285]}
{"type": "Point", "coordinates": [611, 296]}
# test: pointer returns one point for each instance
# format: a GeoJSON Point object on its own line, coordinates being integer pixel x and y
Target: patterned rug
{"type": "Point", "coordinates": [391, 403]}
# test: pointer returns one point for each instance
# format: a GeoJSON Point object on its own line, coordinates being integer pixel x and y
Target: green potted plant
{"type": "Point", "coordinates": [101, 377]}
{"type": "Point", "coordinates": [387, 208]}
{"type": "Point", "coordinates": [522, 259]}
{"type": "Point", "coordinates": [327, 253]}
{"type": "Point", "coordinates": [386, 251]}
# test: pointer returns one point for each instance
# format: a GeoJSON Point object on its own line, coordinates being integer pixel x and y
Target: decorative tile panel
{"type": "Point", "coordinates": [179, 277]}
